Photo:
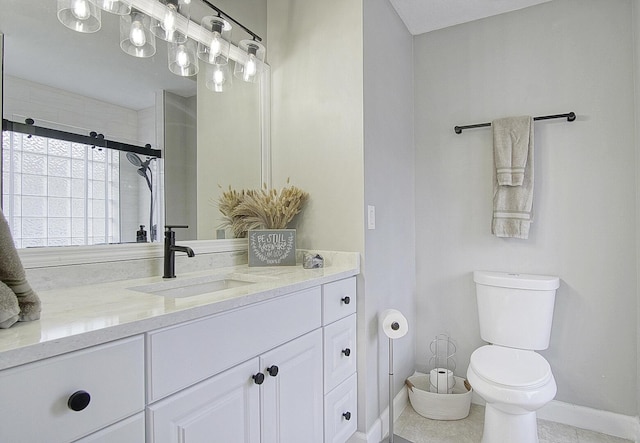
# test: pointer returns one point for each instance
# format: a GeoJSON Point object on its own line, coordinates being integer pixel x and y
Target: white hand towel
{"type": "Point", "coordinates": [512, 203]}
{"type": "Point", "coordinates": [511, 139]}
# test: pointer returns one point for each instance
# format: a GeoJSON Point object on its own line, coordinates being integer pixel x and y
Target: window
{"type": "Point", "coordinates": [59, 193]}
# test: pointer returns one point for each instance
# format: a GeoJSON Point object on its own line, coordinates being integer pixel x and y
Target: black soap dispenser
{"type": "Point", "coordinates": [141, 235]}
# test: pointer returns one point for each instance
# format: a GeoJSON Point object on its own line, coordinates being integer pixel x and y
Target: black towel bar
{"type": "Point", "coordinates": [570, 116]}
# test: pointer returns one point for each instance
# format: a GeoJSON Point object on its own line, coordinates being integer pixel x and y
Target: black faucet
{"type": "Point", "coordinates": [170, 249]}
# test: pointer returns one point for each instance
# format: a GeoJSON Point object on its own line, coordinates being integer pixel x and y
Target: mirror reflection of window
{"type": "Point", "coordinates": [59, 193]}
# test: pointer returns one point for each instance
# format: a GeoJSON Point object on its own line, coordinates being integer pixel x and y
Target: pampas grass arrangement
{"type": "Point", "coordinates": [260, 209]}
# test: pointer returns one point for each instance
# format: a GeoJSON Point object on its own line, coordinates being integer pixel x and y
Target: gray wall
{"type": "Point", "coordinates": [566, 55]}
{"type": "Point", "coordinates": [389, 186]}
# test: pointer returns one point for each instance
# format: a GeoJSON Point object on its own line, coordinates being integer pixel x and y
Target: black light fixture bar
{"type": "Point", "coordinates": [570, 116]}
{"type": "Point", "coordinates": [94, 139]}
{"type": "Point", "coordinates": [255, 36]}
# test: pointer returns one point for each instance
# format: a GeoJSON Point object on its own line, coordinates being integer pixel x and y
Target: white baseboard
{"type": "Point", "coordinates": [618, 425]}
{"type": "Point", "coordinates": [611, 423]}
{"type": "Point", "coordinates": [380, 427]}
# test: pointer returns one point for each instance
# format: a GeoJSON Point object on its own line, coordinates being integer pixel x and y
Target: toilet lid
{"type": "Point", "coordinates": [510, 367]}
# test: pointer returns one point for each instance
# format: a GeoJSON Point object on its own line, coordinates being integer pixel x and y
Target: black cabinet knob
{"type": "Point", "coordinates": [347, 415]}
{"type": "Point", "coordinates": [346, 300]}
{"type": "Point", "coordinates": [78, 400]}
{"type": "Point", "coordinates": [346, 352]}
{"type": "Point", "coordinates": [258, 378]}
{"type": "Point", "coordinates": [273, 370]}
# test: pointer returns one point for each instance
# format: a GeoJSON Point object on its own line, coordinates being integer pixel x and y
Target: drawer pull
{"type": "Point", "coordinates": [346, 352]}
{"type": "Point", "coordinates": [347, 415]}
{"type": "Point", "coordinates": [258, 378]}
{"type": "Point", "coordinates": [273, 370]}
{"type": "Point", "coordinates": [346, 300]}
{"type": "Point", "coordinates": [78, 400]}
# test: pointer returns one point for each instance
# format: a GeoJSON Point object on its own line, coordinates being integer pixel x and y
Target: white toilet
{"type": "Point", "coordinates": [515, 313]}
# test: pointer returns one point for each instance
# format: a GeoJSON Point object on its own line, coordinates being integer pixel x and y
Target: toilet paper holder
{"type": "Point", "coordinates": [443, 364]}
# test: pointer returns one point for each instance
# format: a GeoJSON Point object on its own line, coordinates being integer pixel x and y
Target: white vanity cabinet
{"type": "Point", "coordinates": [255, 375]}
{"type": "Point", "coordinates": [340, 379]}
{"type": "Point", "coordinates": [276, 397]}
{"type": "Point", "coordinates": [65, 398]}
{"type": "Point", "coordinates": [280, 369]}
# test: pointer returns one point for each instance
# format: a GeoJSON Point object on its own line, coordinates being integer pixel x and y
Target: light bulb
{"type": "Point", "coordinates": [215, 48]}
{"type": "Point", "coordinates": [218, 77]}
{"type": "Point", "coordinates": [169, 22]}
{"type": "Point", "coordinates": [182, 58]}
{"type": "Point", "coordinates": [137, 35]}
{"type": "Point", "coordinates": [107, 5]}
{"type": "Point", "coordinates": [80, 9]}
{"type": "Point", "coordinates": [251, 67]}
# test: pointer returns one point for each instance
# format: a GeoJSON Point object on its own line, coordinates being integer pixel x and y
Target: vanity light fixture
{"type": "Point", "coordinates": [249, 70]}
{"type": "Point", "coordinates": [118, 7]}
{"type": "Point", "coordinates": [135, 37]}
{"type": "Point", "coordinates": [183, 60]}
{"type": "Point", "coordinates": [217, 51]}
{"type": "Point", "coordinates": [188, 41]}
{"type": "Point", "coordinates": [168, 27]}
{"type": "Point", "coordinates": [79, 15]}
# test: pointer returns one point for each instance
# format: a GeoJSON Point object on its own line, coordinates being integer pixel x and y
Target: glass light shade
{"type": "Point", "coordinates": [217, 50]}
{"type": "Point", "coordinates": [183, 60]}
{"type": "Point", "coordinates": [135, 37]}
{"type": "Point", "coordinates": [249, 70]}
{"type": "Point", "coordinates": [79, 15]}
{"type": "Point", "coordinates": [176, 16]}
{"type": "Point", "coordinates": [118, 7]}
{"type": "Point", "coordinates": [218, 78]}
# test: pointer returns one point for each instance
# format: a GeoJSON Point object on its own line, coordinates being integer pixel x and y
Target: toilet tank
{"type": "Point", "coordinates": [515, 310]}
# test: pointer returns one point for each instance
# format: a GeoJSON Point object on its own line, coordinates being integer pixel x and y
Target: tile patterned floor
{"type": "Point", "coordinates": [418, 429]}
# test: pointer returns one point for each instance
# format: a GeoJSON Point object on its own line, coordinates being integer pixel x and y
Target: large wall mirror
{"type": "Point", "coordinates": [65, 193]}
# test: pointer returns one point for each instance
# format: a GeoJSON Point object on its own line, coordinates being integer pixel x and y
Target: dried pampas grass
{"type": "Point", "coordinates": [260, 209]}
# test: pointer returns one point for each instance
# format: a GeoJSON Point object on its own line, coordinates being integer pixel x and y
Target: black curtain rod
{"type": "Point", "coordinates": [94, 139]}
{"type": "Point", "coordinates": [221, 12]}
{"type": "Point", "coordinates": [571, 116]}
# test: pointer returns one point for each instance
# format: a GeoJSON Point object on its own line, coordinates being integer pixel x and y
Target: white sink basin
{"type": "Point", "coordinates": [178, 288]}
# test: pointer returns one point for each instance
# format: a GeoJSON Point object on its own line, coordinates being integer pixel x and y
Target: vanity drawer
{"type": "Point", "coordinates": [36, 397]}
{"type": "Point", "coordinates": [341, 411]}
{"type": "Point", "coordinates": [338, 300]}
{"type": "Point", "coordinates": [183, 355]}
{"type": "Point", "coordinates": [339, 351]}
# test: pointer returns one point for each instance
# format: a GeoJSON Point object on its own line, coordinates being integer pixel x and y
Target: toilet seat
{"type": "Point", "coordinates": [510, 368]}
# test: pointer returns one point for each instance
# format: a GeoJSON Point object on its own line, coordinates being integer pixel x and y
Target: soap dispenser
{"type": "Point", "coordinates": [141, 235]}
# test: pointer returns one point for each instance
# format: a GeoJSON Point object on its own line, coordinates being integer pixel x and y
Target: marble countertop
{"type": "Point", "coordinates": [78, 317]}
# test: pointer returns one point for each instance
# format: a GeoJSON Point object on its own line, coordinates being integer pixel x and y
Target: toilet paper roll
{"type": "Point", "coordinates": [441, 381]}
{"type": "Point", "coordinates": [394, 324]}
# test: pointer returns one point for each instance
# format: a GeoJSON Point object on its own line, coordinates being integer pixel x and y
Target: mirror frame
{"type": "Point", "coordinates": [75, 255]}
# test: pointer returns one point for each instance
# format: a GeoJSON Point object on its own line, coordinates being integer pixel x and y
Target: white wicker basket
{"type": "Point", "coordinates": [454, 406]}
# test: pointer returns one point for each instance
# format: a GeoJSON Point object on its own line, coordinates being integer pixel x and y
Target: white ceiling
{"type": "Point", "coordinates": [422, 16]}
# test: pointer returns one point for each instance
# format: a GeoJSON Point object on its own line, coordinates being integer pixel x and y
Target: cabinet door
{"type": "Point", "coordinates": [222, 409]}
{"type": "Point", "coordinates": [339, 351]}
{"type": "Point", "coordinates": [341, 411]}
{"type": "Point", "coordinates": [292, 400]}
